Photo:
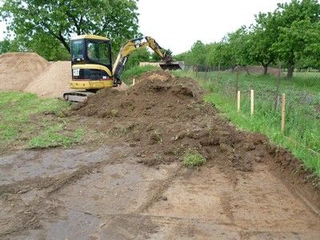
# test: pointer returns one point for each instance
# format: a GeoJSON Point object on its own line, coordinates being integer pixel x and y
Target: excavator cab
{"type": "Point", "coordinates": [91, 50]}
{"type": "Point", "coordinates": [91, 62]}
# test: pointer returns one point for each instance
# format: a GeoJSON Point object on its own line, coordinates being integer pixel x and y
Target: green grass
{"type": "Point", "coordinates": [52, 137]}
{"type": "Point", "coordinates": [193, 158]}
{"type": "Point", "coordinates": [302, 129]}
{"type": "Point", "coordinates": [26, 118]}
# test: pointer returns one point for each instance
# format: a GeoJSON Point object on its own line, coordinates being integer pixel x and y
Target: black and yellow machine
{"type": "Point", "coordinates": [92, 68]}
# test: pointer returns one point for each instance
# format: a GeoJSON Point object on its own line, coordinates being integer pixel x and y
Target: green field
{"type": "Point", "coordinates": [27, 121]}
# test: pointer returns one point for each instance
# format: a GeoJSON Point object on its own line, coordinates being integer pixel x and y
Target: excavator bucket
{"type": "Point", "coordinates": [173, 65]}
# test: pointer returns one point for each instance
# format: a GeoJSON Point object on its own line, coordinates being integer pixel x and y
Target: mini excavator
{"type": "Point", "coordinates": [91, 63]}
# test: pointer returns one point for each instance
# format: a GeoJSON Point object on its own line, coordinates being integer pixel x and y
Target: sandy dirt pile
{"type": "Point", "coordinates": [162, 117]}
{"type": "Point", "coordinates": [29, 72]}
{"type": "Point", "coordinates": [17, 70]}
{"type": "Point", "coordinates": [53, 82]}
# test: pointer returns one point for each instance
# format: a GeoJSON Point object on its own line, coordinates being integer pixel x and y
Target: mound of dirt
{"type": "Point", "coordinates": [167, 116]}
{"type": "Point", "coordinates": [259, 70]}
{"type": "Point", "coordinates": [17, 70]}
{"type": "Point", "coordinates": [162, 117]}
{"type": "Point", "coordinates": [53, 82]}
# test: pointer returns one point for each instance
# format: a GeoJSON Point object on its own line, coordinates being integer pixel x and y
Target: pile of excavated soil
{"type": "Point", "coordinates": [167, 116]}
{"type": "Point", "coordinates": [17, 70]}
{"type": "Point", "coordinates": [53, 82]}
{"type": "Point", "coordinates": [161, 117]}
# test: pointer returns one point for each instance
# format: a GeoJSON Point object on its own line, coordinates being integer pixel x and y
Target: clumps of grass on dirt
{"type": "Point", "coordinates": [28, 121]}
{"type": "Point", "coordinates": [51, 137]}
{"type": "Point", "coordinates": [156, 137]}
{"type": "Point", "coordinates": [193, 158]}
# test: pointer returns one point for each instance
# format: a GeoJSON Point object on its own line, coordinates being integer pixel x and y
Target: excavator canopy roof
{"type": "Point", "coordinates": [87, 36]}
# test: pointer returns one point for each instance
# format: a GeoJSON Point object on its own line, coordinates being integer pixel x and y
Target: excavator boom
{"type": "Point", "coordinates": [132, 45]}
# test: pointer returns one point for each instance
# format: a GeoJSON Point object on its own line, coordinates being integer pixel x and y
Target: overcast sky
{"type": "Point", "coordinates": [177, 24]}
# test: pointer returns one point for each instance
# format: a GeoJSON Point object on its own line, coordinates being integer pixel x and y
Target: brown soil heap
{"type": "Point", "coordinates": [166, 116]}
{"type": "Point", "coordinates": [17, 70]}
{"type": "Point", "coordinates": [162, 117]}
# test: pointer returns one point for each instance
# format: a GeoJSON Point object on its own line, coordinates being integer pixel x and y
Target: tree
{"type": "Point", "coordinates": [8, 45]}
{"type": "Point", "coordinates": [140, 55]}
{"type": "Point", "coordinates": [299, 32]}
{"type": "Point", "coordinates": [220, 54]}
{"type": "Point", "coordinates": [239, 46]}
{"type": "Point", "coordinates": [47, 47]}
{"type": "Point", "coordinates": [198, 51]}
{"type": "Point", "coordinates": [5, 46]}
{"type": "Point", "coordinates": [265, 33]}
{"type": "Point", "coordinates": [53, 22]}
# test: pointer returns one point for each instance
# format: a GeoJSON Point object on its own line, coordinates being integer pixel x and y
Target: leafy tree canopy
{"type": "Point", "coordinates": [53, 22]}
{"type": "Point", "coordinates": [299, 31]}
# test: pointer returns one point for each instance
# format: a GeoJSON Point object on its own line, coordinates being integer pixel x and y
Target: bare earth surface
{"type": "Point", "coordinates": [126, 180]}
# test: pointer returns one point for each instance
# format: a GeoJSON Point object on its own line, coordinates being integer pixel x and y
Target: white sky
{"type": "Point", "coordinates": [177, 24]}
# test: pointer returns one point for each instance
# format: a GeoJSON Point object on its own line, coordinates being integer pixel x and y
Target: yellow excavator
{"type": "Point", "coordinates": [92, 68]}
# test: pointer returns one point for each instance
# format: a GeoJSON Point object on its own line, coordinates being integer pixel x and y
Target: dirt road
{"type": "Point", "coordinates": [106, 193]}
{"type": "Point", "coordinates": [126, 180]}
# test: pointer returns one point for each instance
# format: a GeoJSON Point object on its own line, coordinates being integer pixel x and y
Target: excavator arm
{"type": "Point", "coordinates": [137, 43]}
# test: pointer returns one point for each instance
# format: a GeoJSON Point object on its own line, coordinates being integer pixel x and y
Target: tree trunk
{"type": "Point", "coordinates": [247, 70]}
{"type": "Point", "coordinates": [265, 69]}
{"type": "Point", "coordinates": [290, 65]}
{"type": "Point", "coordinates": [290, 71]}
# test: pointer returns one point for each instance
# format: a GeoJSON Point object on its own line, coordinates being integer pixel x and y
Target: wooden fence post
{"type": "Point", "coordinates": [238, 101]}
{"type": "Point", "coordinates": [283, 115]}
{"type": "Point", "coordinates": [252, 102]}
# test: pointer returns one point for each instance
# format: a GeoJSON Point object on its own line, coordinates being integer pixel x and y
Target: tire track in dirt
{"type": "Point", "coordinates": [26, 203]}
